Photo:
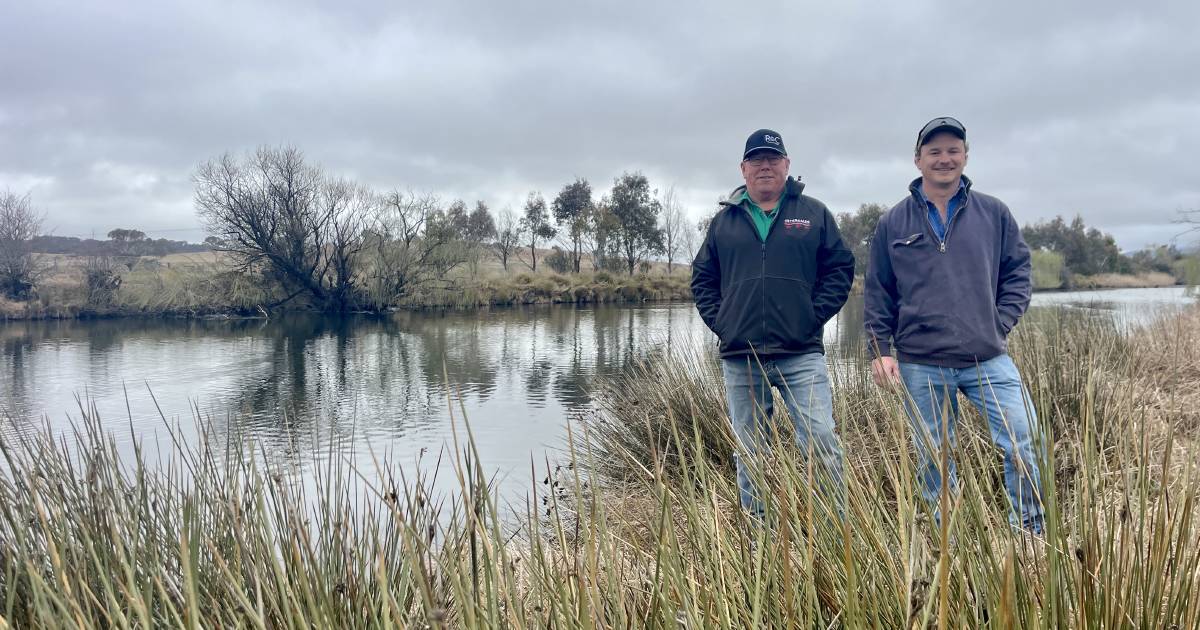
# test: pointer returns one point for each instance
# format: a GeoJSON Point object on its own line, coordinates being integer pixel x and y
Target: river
{"type": "Point", "coordinates": [379, 386]}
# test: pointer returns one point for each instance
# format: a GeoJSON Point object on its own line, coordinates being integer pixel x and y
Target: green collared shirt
{"type": "Point", "coordinates": [762, 219]}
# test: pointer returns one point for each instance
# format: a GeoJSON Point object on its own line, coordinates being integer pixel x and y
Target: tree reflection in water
{"type": "Point", "coordinates": [371, 384]}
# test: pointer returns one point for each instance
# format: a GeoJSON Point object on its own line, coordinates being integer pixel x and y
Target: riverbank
{"type": "Point", "coordinates": [1123, 281]}
{"type": "Point", "coordinates": [203, 285]}
{"type": "Point", "coordinates": [199, 286]}
{"type": "Point", "coordinates": [637, 528]}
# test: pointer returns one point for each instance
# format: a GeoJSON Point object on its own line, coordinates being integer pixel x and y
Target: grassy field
{"type": "Point", "coordinates": [1124, 281]}
{"type": "Point", "coordinates": [636, 525]}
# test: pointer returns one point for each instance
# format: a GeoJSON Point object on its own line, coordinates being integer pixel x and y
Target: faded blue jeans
{"type": "Point", "coordinates": [803, 382]}
{"type": "Point", "coordinates": [996, 390]}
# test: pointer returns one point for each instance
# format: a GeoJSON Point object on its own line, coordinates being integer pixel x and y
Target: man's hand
{"type": "Point", "coordinates": [886, 371]}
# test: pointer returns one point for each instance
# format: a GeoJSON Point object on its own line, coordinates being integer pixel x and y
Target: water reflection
{"type": "Point", "coordinates": [383, 385]}
{"type": "Point", "coordinates": [299, 382]}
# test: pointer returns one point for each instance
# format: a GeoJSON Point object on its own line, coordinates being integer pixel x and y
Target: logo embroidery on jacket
{"type": "Point", "coordinates": [802, 225]}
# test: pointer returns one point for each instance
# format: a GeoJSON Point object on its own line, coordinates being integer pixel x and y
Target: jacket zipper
{"type": "Point", "coordinates": [942, 241]}
{"type": "Point", "coordinates": [762, 284]}
{"type": "Point", "coordinates": [933, 232]}
{"type": "Point", "coordinates": [762, 275]}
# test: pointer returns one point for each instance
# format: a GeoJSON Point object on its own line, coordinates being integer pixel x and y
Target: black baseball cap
{"type": "Point", "coordinates": [942, 123]}
{"type": "Point", "coordinates": [764, 139]}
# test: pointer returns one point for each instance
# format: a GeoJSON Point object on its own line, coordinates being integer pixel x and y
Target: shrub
{"type": "Point", "coordinates": [101, 279]}
{"type": "Point", "coordinates": [1048, 270]}
{"type": "Point", "coordinates": [559, 261]}
{"type": "Point", "coordinates": [612, 263]}
{"type": "Point", "coordinates": [1187, 270]}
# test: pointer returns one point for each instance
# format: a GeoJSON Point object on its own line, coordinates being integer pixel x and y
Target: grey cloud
{"type": "Point", "coordinates": [107, 109]}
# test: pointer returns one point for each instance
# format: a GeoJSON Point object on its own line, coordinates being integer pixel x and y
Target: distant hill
{"type": "Point", "coordinates": [92, 247]}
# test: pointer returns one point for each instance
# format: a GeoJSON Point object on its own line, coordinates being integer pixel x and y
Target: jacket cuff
{"type": "Point", "coordinates": [1007, 322]}
{"type": "Point", "coordinates": [876, 349]}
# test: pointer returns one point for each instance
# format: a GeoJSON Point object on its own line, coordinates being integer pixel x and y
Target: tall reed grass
{"type": "Point", "coordinates": [638, 525]}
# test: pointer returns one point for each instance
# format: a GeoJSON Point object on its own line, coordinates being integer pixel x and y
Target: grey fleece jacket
{"type": "Point", "coordinates": [952, 302]}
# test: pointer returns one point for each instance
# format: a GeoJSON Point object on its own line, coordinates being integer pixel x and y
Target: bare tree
{"type": "Point", "coordinates": [19, 225]}
{"type": "Point", "coordinates": [690, 239]}
{"type": "Point", "coordinates": [413, 245]}
{"type": "Point", "coordinates": [674, 226]}
{"type": "Point", "coordinates": [276, 214]}
{"type": "Point", "coordinates": [509, 232]}
{"type": "Point", "coordinates": [1191, 218]}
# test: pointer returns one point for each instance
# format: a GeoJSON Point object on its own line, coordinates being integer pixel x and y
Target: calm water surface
{"type": "Point", "coordinates": [376, 385]}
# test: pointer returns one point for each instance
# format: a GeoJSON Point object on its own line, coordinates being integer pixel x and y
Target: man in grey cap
{"type": "Point", "coordinates": [948, 279]}
{"type": "Point", "coordinates": [772, 270]}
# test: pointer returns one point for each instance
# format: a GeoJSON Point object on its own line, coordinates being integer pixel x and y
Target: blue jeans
{"type": "Point", "coordinates": [995, 388]}
{"type": "Point", "coordinates": [803, 382]}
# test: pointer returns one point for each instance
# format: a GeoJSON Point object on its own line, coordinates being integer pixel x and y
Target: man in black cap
{"type": "Point", "coordinates": [772, 270]}
{"type": "Point", "coordinates": [949, 277]}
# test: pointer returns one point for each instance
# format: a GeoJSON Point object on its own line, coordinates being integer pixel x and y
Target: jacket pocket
{"type": "Point", "coordinates": [739, 317]}
{"type": "Point", "coordinates": [919, 274]}
{"type": "Point", "coordinates": [908, 241]}
{"type": "Point", "coordinates": [790, 321]}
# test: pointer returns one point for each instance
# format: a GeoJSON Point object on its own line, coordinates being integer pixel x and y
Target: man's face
{"type": "Point", "coordinates": [765, 173]}
{"type": "Point", "coordinates": [942, 159]}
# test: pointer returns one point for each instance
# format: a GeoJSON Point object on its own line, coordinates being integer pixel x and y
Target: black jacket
{"type": "Point", "coordinates": [773, 297]}
{"type": "Point", "coordinates": [953, 302]}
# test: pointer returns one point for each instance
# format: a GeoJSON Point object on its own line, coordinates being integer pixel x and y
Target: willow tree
{"type": "Point", "coordinates": [19, 225]}
{"type": "Point", "coordinates": [277, 215]}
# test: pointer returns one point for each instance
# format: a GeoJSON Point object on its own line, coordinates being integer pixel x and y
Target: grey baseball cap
{"type": "Point", "coordinates": [942, 123]}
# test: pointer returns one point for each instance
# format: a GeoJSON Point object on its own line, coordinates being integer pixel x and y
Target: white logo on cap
{"type": "Point", "coordinates": [772, 139]}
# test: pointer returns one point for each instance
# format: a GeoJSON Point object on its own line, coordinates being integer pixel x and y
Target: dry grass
{"type": "Point", "coordinates": [1123, 412]}
{"type": "Point", "coordinates": [1123, 281]}
{"type": "Point", "coordinates": [638, 526]}
{"type": "Point", "coordinates": [179, 284]}
{"type": "Point", "coordinates": [552, 288]}
{"type": "Point", "coordinates": [205, 284]}
{"type": "Point", "coordinates": [1165, 373]}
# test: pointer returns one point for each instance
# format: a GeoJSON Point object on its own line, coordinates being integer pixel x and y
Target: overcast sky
{"type": "Point", "coordinates": [106, 108]}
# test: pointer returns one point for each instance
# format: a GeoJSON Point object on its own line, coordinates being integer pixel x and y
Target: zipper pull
{"type": "Point", "coordinates": [942, 247]}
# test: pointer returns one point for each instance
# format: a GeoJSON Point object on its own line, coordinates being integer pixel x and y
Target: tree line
{"type": "Point", "coordinates": [120, 242]}
{"type": "Point", "coordinates": [340, 245]}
